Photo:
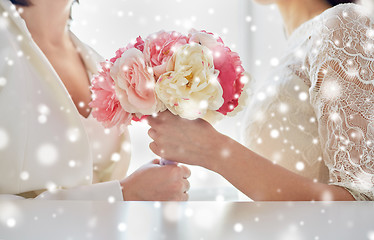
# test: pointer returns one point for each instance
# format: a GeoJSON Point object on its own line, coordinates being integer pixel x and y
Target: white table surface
{"type": "Point", "coordinates": [70, 220]}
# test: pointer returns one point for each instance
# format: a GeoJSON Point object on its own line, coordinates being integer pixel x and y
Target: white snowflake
{"type": "Point", "coordinates": [47, 154]}
{"type": "Point", "coordinates": [42, 119]}
{"type": "Point", "coordinates": [11, 222]}
{"type": "Point", "coordinates": [188, 212]}
{"type": "Point", "coordinates": [120, 14]}
{"type": "Point", "coordinates": [171, 210]}
{"type": "Point", "coordinates": [10, 62]}
{"type": "Point", "coordinates": [283, 108]}
{"type": "Point", "coordinates": [4, 23]}
{"type": "Point", "coordinates": [253, 28]}
{"type": "Point", "coordinates": [244, 79]}
{"type": "Point", "coordinates": [157, 205]}
{"type": "Point", "coordinates": [370, 33]}
{"type": "Point", "coordinates": [72, 163]}
{"type": "Point", "coordinates": [331, 90]}
{"type": "Point", "coordinates": [19, 53]}
{"type": "Point", "coordinates": [24, 175]}
{"type": "Point", "coordinates": [126, 146]}
{"type": "Point", "coordinates": [303, 96]}
{"type": "Point", "coordinates": [274, 133]}
{"type": "Point", "coordinates": [2, 82]}
{"type": "Point", "coordinates": [203, 104]}
{"type": "Point", "coordinates": [300, 166]}
{"type": "Point", "coordinates": [225, 153]}
{"type": "Point", "coordinates": [220, 198]}
{"type": "Point", "coordinates": [4, 139]}
{"type": "Point", "coordinates": [370, 235]}
{"type": "Point", "coordinates": [43, 109]}
{"type": "Point", "coordinates": [111, 199]}
{"type": "Point", "coordinates": [51, 187]}
{"type": "Point", "coordinates": [274, 62]}
{"type": "Point", "coordinates": [334, 116]}
{"type": "Point", "coordinates": [73, 134]}
{"type": "Point", "coordinates": [261, 96]}
{"type": "Point", "coordinates": [238, 227]}
{"type": "Point", "coordinates": [107, 131]}
{"type": "Point", "coordinates": [92, 222]}
{"type": "Point", "coordinates": [122, 227]}
{"type": "Point", "coordinates": [116, 157]}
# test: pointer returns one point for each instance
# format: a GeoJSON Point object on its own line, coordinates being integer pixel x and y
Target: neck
{"type": "Point", "coordinates": [296, 12]}
{"type": "Point", "coordinates": [47, 20]}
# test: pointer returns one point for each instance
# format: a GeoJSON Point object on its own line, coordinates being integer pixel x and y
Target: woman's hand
{"type": "Point", "coordinates": [154, 182]}
{"type": "Point", "coordinates": [193, 142]}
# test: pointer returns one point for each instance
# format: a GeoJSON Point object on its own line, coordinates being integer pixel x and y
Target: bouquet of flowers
{"type": "Point", "coordinates": [194, 76]}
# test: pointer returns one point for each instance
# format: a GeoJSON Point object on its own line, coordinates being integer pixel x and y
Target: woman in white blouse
{"type": "Point", "coordinates": [312, 137]}
{"type": "Point", "coordinates": [50, 146]}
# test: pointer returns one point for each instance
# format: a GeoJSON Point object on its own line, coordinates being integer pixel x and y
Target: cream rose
{"type": "Point", "coordinates": [134, 83]}
{"type": "Point", "coordinates": [190, 87]}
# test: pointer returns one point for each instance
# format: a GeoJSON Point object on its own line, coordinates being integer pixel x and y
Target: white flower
{"type": "Point", "coordinates": [190, 87]}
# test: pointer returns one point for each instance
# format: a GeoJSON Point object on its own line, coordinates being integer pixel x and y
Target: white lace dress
{"type": "Point", "coordinates": [315, 114]}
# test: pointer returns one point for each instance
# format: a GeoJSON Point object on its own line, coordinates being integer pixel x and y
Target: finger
{"type": "Point", "coordinates": [186, 186]}
{"type": "Point", "coordinates": [152, 133]}
{"type": "Point", "coordinates": [152, 120]}
{"type": "Point", "coordinates": [154, 148]}
{"type": "Point", "coordinates": [185, 197]}
{"type": "Point", "coordinates": [156, 161]}
{"type": "Point", "coordinates": [186, 172]}
{"type": "Point", "coordinates": [165, 115]}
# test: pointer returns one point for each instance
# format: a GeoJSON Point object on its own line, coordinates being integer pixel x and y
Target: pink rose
{"type": "Point", "coordinates": [159, 48]}
{"type": "Point", "coordinates": [134, 83]}
{"type": "Point", "coordinates": [105, 106]}
{"type": "Point", "coordinates": [228, 64]}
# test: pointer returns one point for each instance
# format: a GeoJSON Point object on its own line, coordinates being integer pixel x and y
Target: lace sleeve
{"type": "Point", "coordinates": [341, 70]}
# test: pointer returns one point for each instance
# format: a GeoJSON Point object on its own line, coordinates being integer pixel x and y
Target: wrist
{"type": "Point", "coordinates": [221, 153]}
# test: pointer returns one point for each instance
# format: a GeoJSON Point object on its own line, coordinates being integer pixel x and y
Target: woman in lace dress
{"type": "Point", "coordinates": [312, 137]}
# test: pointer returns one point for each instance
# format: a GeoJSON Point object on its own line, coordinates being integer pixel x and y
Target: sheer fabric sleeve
{"type": "Point", "coordinates": [341, 71]}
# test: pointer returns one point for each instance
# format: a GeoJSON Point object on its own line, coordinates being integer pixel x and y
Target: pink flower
{"type": "Point", "coordinates": [139, 44]}
{"type": "Point", "coordinates": [105, 106]}
{"type": "Point", "coordinates": [228, 64]}
{"type": "Point", "coordinates": [134, 83]}
{"type": "Point", "coordinates": [159, 48]}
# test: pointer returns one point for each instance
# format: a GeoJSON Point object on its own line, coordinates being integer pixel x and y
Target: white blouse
{"type": "Point", "coordinates": [45, 144]}
{"type": "Point", "coordinates": [315, 115]}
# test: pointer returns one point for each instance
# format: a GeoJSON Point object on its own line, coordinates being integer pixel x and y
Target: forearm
{"type": "Point", "coordinates": [262, 180]}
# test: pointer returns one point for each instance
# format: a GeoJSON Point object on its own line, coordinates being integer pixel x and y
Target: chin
{"type": "Point", "coordinates": [265, 2]}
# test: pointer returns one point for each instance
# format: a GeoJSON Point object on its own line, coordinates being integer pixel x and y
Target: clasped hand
{"type": "Point", "coordinates": [154, 182]}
